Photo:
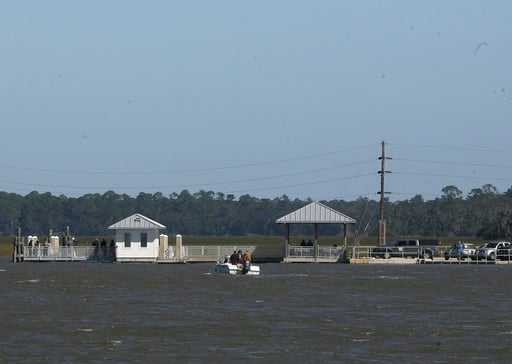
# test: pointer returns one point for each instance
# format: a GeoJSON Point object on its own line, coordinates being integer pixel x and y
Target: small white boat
{"type": "Point", "coordinates": [237, 269]}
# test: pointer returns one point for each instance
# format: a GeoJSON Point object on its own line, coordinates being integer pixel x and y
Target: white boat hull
{"type": "Point", "coordinates": [236, 269]}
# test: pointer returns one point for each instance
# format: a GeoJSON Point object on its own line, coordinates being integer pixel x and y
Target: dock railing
{"type": "Point", "coordinates": [205, 253]}
{"type": "Point", "coordinates": [305, 254]}
{"type": "Point", "coordinates": [61, 253]}
{"type": "Point", "coordinates": [365, 252]}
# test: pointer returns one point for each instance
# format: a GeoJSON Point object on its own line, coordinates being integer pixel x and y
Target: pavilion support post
{"type": "Point", "coordinates": [315, 248]}
{"type": "Point", "coordinates": [345, 244]}
{"type": "Point", "coordinates": [345, 235]}
{"type": "Point", "coordinates": [287, 240]}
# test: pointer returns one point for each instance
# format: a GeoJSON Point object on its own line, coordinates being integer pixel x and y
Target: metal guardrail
{"type": "Point", "coordinates": [329, 253]}
{"type": "Point", "coordinates": [61, 253]}
{"type": "Point", "coordinates": [362, 252]}
{"type": "Point", "coordinates": [366, 252]}
{"type": "Point", "coordinates": [505, 257]}
{"type": "Point", "coordinates": [301, 251]}
{"type": "Point", "coordinates": [81, 253]}
{"type": "Point", "coordinates": [214, 253]}
{"type": "Point", "coordinates": [205, 252]}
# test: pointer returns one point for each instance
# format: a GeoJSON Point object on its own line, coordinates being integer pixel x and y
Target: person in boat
{"type": "Point", "coordinates": [246, 262]}
{"type": "Point", "coordinates": [233, 259]}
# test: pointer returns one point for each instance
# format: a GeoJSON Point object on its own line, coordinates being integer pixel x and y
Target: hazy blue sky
{"type": "Point", "coordinates": [266, 98]}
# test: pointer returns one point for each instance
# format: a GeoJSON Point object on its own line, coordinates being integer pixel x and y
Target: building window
{"type": "Point", "coordinates": [143, 240]}
{"type": "Point", "coordinates": [127, 240]}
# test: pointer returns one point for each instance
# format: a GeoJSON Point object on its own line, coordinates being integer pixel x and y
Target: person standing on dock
{"type": "Point", "coordinates": [30, 248]}
{"type": "Point", "coordinates": [112, 250]}
{"type": "Point", "coordinates": [104, 248]}
{"type": "Point", "coordinates": [96, 245]}
{"type": "Point", "coordinates": [36, 248]}
{"type": "Point", "coordinates": [45, 248]}
{"type": "Point", "coordinates": [460, 250]}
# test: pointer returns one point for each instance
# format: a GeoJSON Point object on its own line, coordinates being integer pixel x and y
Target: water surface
{"type": "Point", "coordinates": [132, 313]}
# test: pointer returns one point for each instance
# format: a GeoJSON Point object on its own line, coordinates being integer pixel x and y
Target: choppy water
{"type": "Point", "coordinates": [133, 313]}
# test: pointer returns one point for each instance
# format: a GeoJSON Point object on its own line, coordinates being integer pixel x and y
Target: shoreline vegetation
{"type": "Point", "coordinates": [483, 213]}
{"type": "Point", "coordinates": [268, 246]}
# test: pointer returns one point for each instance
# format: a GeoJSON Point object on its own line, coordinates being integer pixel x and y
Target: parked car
{"type": "Point", "coordinates": [468, 250]}
{"type": "Point", "coordinates": [489, 250]}
{"type": "Point", "coordinates": [504, 253]}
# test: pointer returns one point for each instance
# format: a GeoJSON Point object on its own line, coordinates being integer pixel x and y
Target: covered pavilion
{"type": "Point", "coordinates": [314, 213]}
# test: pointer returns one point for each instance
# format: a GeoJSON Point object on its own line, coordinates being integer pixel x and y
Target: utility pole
{"type": "Point", "coordinates": [382, 220]}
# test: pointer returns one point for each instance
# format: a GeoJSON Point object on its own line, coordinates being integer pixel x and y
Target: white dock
{"type": "Point", "coordinates": [65, 254]}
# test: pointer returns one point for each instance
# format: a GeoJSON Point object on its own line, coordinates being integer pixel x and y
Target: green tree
{"type": "Point", "coordinates": [451, 193]}
{"type": "Point", "coordinates": [10, 212]}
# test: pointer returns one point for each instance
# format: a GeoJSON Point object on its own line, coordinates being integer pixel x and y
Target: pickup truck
{"type": "Point", "coordinates": [504, 253]}
{"type": "Point", "coordinates": [489, 250]}
{"type": "Point", "coordinates": [407, 248]}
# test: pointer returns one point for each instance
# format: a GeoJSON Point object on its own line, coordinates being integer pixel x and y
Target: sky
{"type": "Point", "coordinates": [260, 98]}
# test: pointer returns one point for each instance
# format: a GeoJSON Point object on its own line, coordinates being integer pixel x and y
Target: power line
{"type": "Point", "coordinates": [454, 176]}
{"type": "Point", "coordinates": [16, 184]}
{"type": "Point", "coordinates": [466, 149]}
{"type": "Point", "coordinates": [305, 183]}
{"type": "Point", "coordinates": [415, 194]}
{"type": "Point", "coordinates": [192, 170]}
{"type": "Point", "coordinates": [246, 180]}
{"type": "Point", "coordinates": [454, 163]}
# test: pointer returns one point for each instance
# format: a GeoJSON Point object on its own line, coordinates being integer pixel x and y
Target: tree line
{"type": "Point", "coordinates": [483, 213]}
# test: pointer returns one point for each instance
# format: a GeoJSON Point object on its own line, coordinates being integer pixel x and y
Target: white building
{"type": "Point", "coordinates": [137, 239]}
